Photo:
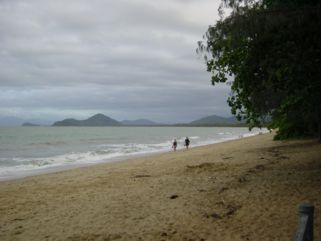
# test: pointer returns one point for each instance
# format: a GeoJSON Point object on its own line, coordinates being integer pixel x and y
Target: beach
{"type": "Point", "coordinates": [245, 189]}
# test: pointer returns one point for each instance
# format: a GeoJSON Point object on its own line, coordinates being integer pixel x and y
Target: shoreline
{"type": "Point", "coordinates": [245, 189]}
{"type": "Point", "coordinates": [65, 167]}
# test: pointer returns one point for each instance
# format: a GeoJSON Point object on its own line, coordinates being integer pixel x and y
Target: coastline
{"type": "Point", "coordinates": [120, 157]}
{"type": "Point", "coordinates": [244, 189]}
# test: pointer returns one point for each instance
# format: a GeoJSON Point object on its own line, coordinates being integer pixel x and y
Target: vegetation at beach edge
{"type": "Point", "coordinates": [271, 49]}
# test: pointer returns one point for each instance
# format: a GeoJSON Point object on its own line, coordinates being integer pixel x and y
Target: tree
{"type": "Point", "coordinates": [272, 48]}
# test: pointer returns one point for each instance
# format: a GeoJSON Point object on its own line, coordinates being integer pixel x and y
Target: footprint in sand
{"type": "Point", "coordinates": [173, 196]}
{"type": "Point", "coordinates": [230, 210]}
{"type": "Point", "coordinates": [223, 189]}
{"type": "Point", "coordinates": [141, 176]}
{"type": "Point", "coordinates": [227, 157]}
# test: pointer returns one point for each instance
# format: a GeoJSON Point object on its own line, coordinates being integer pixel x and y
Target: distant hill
{"type": "Point", "coordinates": [102, 120]}
{"type": "Point", "coordinates": [139, 122]}
{"type": "Point", "coordinates": [96, 120]}
{"type": "Point", "coordinates": [215, 120]}
{"type": "Point", "coordinates": [29, 124]}
{"type": "Point", "coordinates": [11, 121]}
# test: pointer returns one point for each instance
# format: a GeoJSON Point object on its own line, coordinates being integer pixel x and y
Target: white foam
{"type": "Point", "coordinates": [107, 152]}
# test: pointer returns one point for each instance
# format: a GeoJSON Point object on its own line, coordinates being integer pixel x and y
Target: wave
{"type": "Point", "coordinates": [104, 153]}
{"type": "Point", "coordinates": [10, 166]}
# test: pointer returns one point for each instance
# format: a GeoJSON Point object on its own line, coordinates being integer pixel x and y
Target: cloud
{"type": "Point", "coordinates": [128, 58]}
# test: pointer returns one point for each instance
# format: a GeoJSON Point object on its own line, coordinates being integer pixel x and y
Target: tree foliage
{"type": "Point", "coordinates": [272, 50]}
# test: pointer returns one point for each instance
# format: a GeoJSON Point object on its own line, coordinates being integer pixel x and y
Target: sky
{"type": "Point", "coordinates": [127, 59]}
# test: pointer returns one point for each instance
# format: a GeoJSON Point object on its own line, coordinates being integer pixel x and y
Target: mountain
{"type": "Point", "coordinates": [29, 124]}
{"type": "Point", "coordinates": [96, 120]}
{"type": "Point", "coordinates": [139, 122]}
{"type": "Point", "coordinates": [215, 120]}
{"type": "Point", "coordinates": [11, 121]}
{"type": "Point", "coordinates": [39, 122]}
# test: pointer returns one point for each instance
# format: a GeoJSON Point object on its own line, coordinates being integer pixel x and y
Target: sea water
{"type": "Point", "coordinates": [30, 150]}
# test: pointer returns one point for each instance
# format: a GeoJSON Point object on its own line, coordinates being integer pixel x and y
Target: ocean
{"type": "Point", "coordinates": [26, 151]}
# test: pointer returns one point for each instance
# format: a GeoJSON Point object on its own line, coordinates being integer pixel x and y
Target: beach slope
{"type": "Point", "coordinates": [247, 189]}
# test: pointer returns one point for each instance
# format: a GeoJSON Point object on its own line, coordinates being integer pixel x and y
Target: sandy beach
{"type": "Point", "coordinates": [246, 189]}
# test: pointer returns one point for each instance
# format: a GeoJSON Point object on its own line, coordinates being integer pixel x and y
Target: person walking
{"type": "Point", "coordinates": [187, 141]}
{"type": "Point", "coordinates": [174, 146]}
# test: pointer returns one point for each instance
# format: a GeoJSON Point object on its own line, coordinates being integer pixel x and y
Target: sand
{"type": "Point", "coordinates": [247, 189]}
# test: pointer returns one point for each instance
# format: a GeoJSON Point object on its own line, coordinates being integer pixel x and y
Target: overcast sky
{"type": "Point", "coordinates": [127, 59]}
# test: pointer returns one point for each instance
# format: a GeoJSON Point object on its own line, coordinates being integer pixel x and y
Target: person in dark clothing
{"type": "Point", "coordinates": [174, 145]}
{"type": "Point", "coordinates": [187, 142]}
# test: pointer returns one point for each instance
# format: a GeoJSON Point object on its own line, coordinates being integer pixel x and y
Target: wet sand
{"type": "Point", "coordinates": [247, 189]}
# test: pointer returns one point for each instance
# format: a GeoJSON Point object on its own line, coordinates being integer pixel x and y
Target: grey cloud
{"type": "Point", "coordinates": [123, 57]}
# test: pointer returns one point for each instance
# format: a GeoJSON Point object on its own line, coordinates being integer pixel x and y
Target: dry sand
{"type": "Point", "coordinates": [247, 189]}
